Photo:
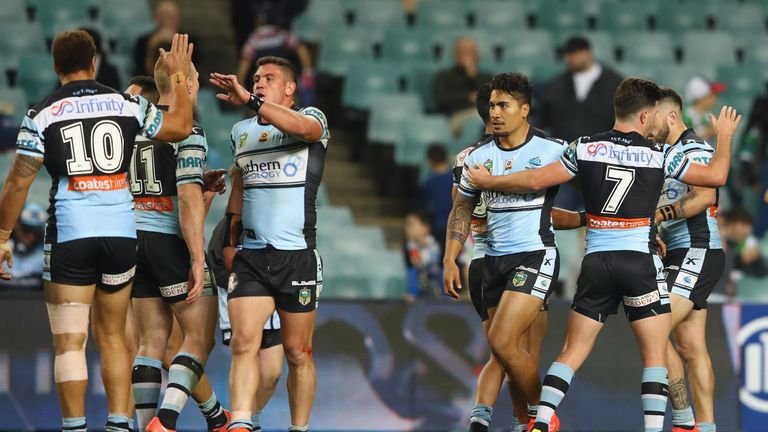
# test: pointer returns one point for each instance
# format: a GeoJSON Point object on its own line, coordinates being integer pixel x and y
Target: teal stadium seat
{"type": "Point", "coordinates": [21, 38]}
{"type": "Point", "coordinates": [756, 50]}
{"type": "Point", "coordinates": [376, 14]}
{"type": "Point", "coordinates": [677, 76]}
{"type": "Point", "coordinates": [676, 17]}
{"type": "Point", "coordinates": [388, 113]}
{"type": "Point", "coordinates": [341, 48]}
{"type": "Point", "coordinates": [344, 287]}
{"type": "Point", "coordinates": [639, 70]}
{"type": "Point", "coordinates": [498, 15]}
{"type": "Point", "coordinates": [744, 19]}
{"type": "Point", "coordinates": [13, 11]}
{"type": "Point", "coordinates": [55, 16]}
{"type": "Point", "coordinates": [529, 46]}
{"type": "Point", "coordinates": [543, 72]}
{"type": "Point", "coordinates": [408, 46]}
{"type": "Point", "coordinates": [37, 77]}
{"type": "Point", "coordinates": [14, 102]}
{"type": "Point", "coordinates": [742, 80]}
{"type": "Point", "coordinates": [646, 47]}
{"type": "Point", "coordinates": [421, 81]}
{"type": "Point", "coordinates": [561, 15]}
{"type": "Point", "coordinates": [417, 133]}
{"type": "Point", "coordinates": [207, 104]}
{"type": "Point", "coordinates": [319, 16]}
{"type": "Point", "coordinates": [752, 289]}
{"type": "Point", "coordinates": [621, 17]}
{"type": "Point", "coordinates": [702, 48]}
{"type": "Point", "coordinates": [471, 130]}
{"type": "Point", "coordinates": [367, 79]}
{"type": "Point", "coordinates": [329, 216]}
{"type": "Point", "coordinates": [446, 14]}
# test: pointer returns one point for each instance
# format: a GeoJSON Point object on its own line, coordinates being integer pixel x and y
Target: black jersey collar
{"type": "Point", "coordinates": [162, 107]}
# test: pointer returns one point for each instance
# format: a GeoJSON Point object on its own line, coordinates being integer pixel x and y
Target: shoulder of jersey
{"type": "Point", "coordinates": [694, 142]}
{"type": "Point", "coordinates": [543, 135]}
{"type": "Point", "coordinates": [197, 129]}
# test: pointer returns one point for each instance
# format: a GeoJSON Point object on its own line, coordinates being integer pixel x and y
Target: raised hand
{"type": "Point", "coordinates": [179, 58]}
{"type": "Point", "coordinates": [235, 93]}
{"type": "Point", "coordinates": [727, 122]}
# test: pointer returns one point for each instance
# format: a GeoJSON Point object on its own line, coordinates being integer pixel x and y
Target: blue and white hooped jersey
{"type": "Point", "coordinates": [517, 222]}
{"type": "Point", "coordinates": [480, 213]}
{"type": "Point", "coordinates": [85, 134]}
{"type": "Point", "coordinates": [699, 231]}
{"type": "Point", "coordinates": [281, 175]}
{"type": "Point", "coordinates": [622, 174]}
{"type": "Point", "coordinates": [157, 169]}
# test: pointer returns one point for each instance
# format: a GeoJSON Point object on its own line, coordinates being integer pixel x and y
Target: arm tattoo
{"type": "Point", "coordinates": [25, 166]}
{"type": "Point", "coordinates": [460, 220]}
{"type": "Point", "coordinates": [680, 207]}
{"type": "Point", "coordinates": [678, 394]}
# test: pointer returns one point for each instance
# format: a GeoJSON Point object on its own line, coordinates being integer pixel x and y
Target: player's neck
{"type": "Point", "coordinates": [626, 126]}
{"type": "Point", "coordinates": [165, 99]}
{"type": "Point", "coordinates": [76, 76]}
{"type": "Point", "coordinates": [675, 134]}
{"type": "Point", "coordinates": [516, 138]}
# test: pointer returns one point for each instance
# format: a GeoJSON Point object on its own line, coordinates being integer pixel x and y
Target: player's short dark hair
{"type": "Point", "coordinates": [633, 95]}
{"type": "Point", "coordinates": [483, 102]}
{"type": "Point", "coordinates": [669, 95]}
{"type": "Point", "coordinates": [284, 63]}
{"type": "Point", "coordinates": [73, 51]}
{"type": "Point", "coordinates": [148, 87]}
{"type": "Point", "coordinates": [515, 84]}
{"type": "Point", "coordinates": [436, 153]}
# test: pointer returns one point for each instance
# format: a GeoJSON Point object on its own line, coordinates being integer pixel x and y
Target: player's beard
{"type": "Point", "coordinates": [662, 135]}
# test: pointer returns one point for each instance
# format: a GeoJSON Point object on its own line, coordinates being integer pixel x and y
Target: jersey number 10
{"type": "Point", "coordinates": [107, 148]}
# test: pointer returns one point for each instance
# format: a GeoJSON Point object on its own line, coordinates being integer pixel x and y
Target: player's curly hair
{"type": "Point", "coordinates": [515, 84]}
{"type": "Point", "coordinates": [73, 51]}
{"type": "Point", "coordinates": [634, 95]}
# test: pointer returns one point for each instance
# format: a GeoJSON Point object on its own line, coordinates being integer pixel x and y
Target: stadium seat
{"type": "Point", "coordinates": [341, 48]}
{"type": "Point", "coordinates": [322, 196]}
{"type": "Point", "coordinates": [712, 48]}
{"type": "Point", "coordinates": [646, 47]}
{"type": "Point", "coordinates": [745, 19]}
{"type": "Point", "coordinates": [346, 287]}
{"type": "Point", "coordinates": [54, 15]}
{"type": "Point", "coordinates": [421, 81]}
{"type": "Point", "coordinates": [417, 133]}
{"type": "Point", "coordinates": [408, 46]}
{"type": "Point", "coordinates": [677, 76]}
{"type": "Point", "coordinates": [376, 14]}
{"type": "Point", "coordinates": [218, 132]}
{"type": "Point", "coordinates": [21, 38]}
{"type": "Point", "coordinates": [115, 14]}
{"type": "Point", "coordinates": [752, 289]}
{"type": "Point", "coordinates": [124, 66]}
{"type": "Point", "coordinates": [639, 70]}
{"type": "Point", "coordinates": [742, 80]}
{"type": "Point", "coordinates": [207, 104]}
{"type": "Point", "coordinates": [14, 102]}
{"type": "Point", "coordinates": [441, 14]}
{"type": "Point", "coordinates": [529, 46]}
{"type": "Point", "coordinates": [471, 129]}
{"type": "Point", "coordinates": [543, 72]}
{"type": "Point", "coordinates": [498, 15]}
{"type": "Point", "coordinates": [366, 79]}
{"type": "Point", "coordinates": [334, 216]}
{"type": "Point", "coordinates": [756, 49]}
{"type": "Point", "coordinates": [626, 16]}
{"type": "Point", "coordinates": [389, 111]}
{"type": "Point", "coordinates": [560, 15]}
{"type": "Point", "coordinates": [13, 11]}
{"type": "Point", "coordinates": [676, 17]}
{"type": "Point", "coordinates": [36, 76]}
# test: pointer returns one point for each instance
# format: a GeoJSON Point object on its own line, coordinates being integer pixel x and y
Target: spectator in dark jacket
{"type": "Point", "coordinates": [435, 198]}
{"type": "Point", "coordinates": [577, 102]}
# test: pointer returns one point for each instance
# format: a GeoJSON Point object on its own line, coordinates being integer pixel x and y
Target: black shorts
{"type": "Point", "coordinates": [270, 338]}
{"type": "Point", "coordinates": [162, 270]}
{"type": "Point", "coordinates": [476, 270]}
{"type": "Point", "coordinates": [612, 277]}
{"type": "Point", "coordinates": [532, 273]}
{"type": "Point", "coordinates": [107, 262]}
{"type": "Point", "coordinates": [293, 277]}
{"type": "Point", "coordinates": [693, 273]}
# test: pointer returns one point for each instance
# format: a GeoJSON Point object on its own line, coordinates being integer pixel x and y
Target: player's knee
{"type": "Point", "coordinates": [297, 354]}
{"type": "Point", "coordinates": [240, 344]}
{"type": "Point", "coordinates": [271, 378]}
{"type": "Point", "coordinates": [690, 350]}
{"type": "Point", "coordinates": [69, 325]}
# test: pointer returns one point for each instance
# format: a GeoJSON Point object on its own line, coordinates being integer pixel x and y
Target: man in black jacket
{"type": "Point", "coordinates": [577, 102]}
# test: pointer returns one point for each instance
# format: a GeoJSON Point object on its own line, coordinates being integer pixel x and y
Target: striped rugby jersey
{"type": "Point", "coordinates": [479, 214]}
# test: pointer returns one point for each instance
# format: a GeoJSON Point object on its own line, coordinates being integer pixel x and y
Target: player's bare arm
{"type": "Point", "coordinates": [459, 226]}
{"type": "Point", "coordinates": [177, 121]}
{"type": "Point", "coordinates": [566, 219]}
{"type": "Point", "coordinates": [716, 173]}
{"type": "Point", "coordinates": [303, 127]}
{"type": "Point", "coordinates": [234, 215]}
{"type": "Point", "coordinates": [696, 201]}
{"type": "Point", "coordinates": [521, 181]}
{"type": "Point", "coordinates": [192, 220]}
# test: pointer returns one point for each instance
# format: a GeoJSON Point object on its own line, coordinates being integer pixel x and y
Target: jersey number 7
{"type": "Point", "coordinates": [624, 178]}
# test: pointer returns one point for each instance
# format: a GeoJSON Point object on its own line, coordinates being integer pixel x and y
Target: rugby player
{"type": "Point", "coordinates": [271, 349]}
{"type": "Point", "coordinates": [625, 173]}
{"type": "Point", "coordinates": [693, 264]}
{"type": "Point", "coordinates": [84, 134]}
{"type": "Point", "coordinates": [167, 183]}
{"type": "Point", "coordinates": [279, 154]}
{"type": "Point", "coordinates": [521, 262]}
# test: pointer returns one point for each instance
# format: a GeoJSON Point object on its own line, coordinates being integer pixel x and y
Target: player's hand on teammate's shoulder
{"type": "Point", "coordinates": [236, 94]}
{"type": "Point", "coordinates": [479, 177]}
{"type": "Point", "coordinates": [215, 181]}
{"type": "Point", "coordinates": [727, 122]}
{"type": "Point", "coordinates": [179, 58]}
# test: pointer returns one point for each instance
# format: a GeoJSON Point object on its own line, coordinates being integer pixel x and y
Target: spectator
{"type": "Point", "coordinates": [741, 245]}
{"type": "Point", "coordinates": [577, 102]}
{"type": "Point", "coordinates": [270, 38]}
{"type": "Point", "coordinates": [701, 95]}
{"type": "Point", "coordinates": [455, 89]}
{"type": "Point", "coordinates": [106, 73]}
{"type": "Point", "coordinates": [435, 198]}
{"type": "Point", "coordinates": [27, 245]}
{"type": "Point", "coordinates": [423, 258]}
{"type": "Point", "coordinates": [167, 19]}
{"type": "Point", "coordinates": [244, 12]}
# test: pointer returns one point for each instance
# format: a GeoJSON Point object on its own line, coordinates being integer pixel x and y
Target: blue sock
{"type": "Point", "coordinates": [116, 423]}
{"type": "Point", "coordinates": [553, 389]}
{"type": "Point", "coordinates": [683, 418]}
{"type": "Point", "coordinates": [146, 380]}
{"type": "Point", "coordinates": [654, 394]}
{"type": "Point", "coordinates": [183, 375]}
{"type": "Point", "coordinates": [73, 424]}
{"type": "Point", "coordinates": [707, 427]}
{"type": "Point", "coordinates": [256, 421]}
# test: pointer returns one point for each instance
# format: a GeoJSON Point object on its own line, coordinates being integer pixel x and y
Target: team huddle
{"type": "Point", "coordinates": [124, 246]}
{"type": "Point", "coordinates": [652, 244]}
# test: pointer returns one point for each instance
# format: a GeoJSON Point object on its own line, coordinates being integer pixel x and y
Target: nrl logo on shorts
{"type": "Point", "coordinates": [519, 279]}
{"type": "Point", "coordinates": [242, 139]}
{"type": "Point", "coordinates": [305, 296]}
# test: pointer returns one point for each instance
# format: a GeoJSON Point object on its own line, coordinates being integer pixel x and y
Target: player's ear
{"type": "Point", "coordinates": [525, 109]}
{"type": "Point", "coordinates": [290, 88]}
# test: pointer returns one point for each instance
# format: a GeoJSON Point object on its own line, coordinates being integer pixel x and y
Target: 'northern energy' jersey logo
{"type": "Point", "coordinates": [273, 169]}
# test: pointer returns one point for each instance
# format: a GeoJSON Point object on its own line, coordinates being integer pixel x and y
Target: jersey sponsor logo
{"type": "Point", "coordinates": [189, 162]}
{"type": "Point", "coordinates": [98, 183]}
{"type": "Point", "coordinates": [303, 283]}
{"type": "Point", "coordinates": [174, 290]}
{"type": "Point", "coordinates": [608, 152]}
{"type": "Point", "coordinates": [90, 105]}
{"type": "Point", "coordinates": [502, 200]}
{"type": "Point", "coordinates": [508, 164]}
{"type": "Point", "coordinates": [675, 162]}
{"type": "Point", "coordinates": [686, 280]}
{"type": "Point", "coordinates": [287, 167]}
{"type": "Point", "coordinates": [159, 204]}
{"type": "Point", "coordinates": [117, 279]}
{"type": "Point", "coordinates": [534, 163]}
{"type": "Point", "coordinates": [242, 139]}
{"type": "Point", "coordinates": [305, 296]}
{"type": "Point", "coordinates": [264, 137]}
{"type": "Point", "coordinates": [519, 279]}
{"type": "Point", "coordinates": [643, 300]}
{"type": "Point", "coordinates": [543, 283]}
{"type": "Point", "coordinates": [600, 222]}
